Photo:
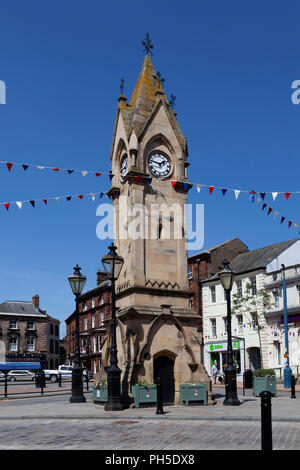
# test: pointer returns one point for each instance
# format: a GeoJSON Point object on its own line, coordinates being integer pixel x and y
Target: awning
{"type": "Point", "coordinates": [20, 365]}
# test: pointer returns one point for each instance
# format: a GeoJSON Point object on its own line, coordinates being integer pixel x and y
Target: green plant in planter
{"type": "Point", "coordinates": [143, 383]}
{"type": "Point", "coordinates": [100, 380]}
{"type": "Point", "coordinates": [264, 373]}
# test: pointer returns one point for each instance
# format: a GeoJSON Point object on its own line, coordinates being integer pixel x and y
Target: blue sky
{"type": "Point", "coordinates": [230, 64]}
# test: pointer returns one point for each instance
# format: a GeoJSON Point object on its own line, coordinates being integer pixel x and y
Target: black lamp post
{"type": "Point", "coordinates": [227, 277]}
{"type": "Point", "coordinates": [113, 264]}
{"type": "Point", "coordinates": [77, 283]}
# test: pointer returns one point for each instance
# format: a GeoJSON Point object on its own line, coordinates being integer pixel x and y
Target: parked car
{"type": "Point", "coordinates": [21, 375]}
{"type": "Point", "coordinates": [65, 371]}
{"type": "Point", "coordinates": [2, 376]}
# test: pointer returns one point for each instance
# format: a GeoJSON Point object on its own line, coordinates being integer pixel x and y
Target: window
{"type": "Point", "coordinates": [239, 289]}
{"type": "Point", "coordinates": [30, 344]}
{"type": "Point", "coordinates": [85, 306]}
{"type": "Point", "coordinates": [95, 367]}
{"type": "Point", "coordinates": [190, 273]}
{"type": "Point", "coordinates": [93, 320]}
{"type": "Point", "coordinates": [240, 323]}
{"type": "Point", "coordinates": [101, 317]}
{"type": "Point", "coordinates": [51, 329]}
{"type": "Point", "coordinates": [276, 294]}
{"type": "Point", "coordinates": [99, 343]}
{"type": "Point", "coordinates": [30, 325]}
{"type": "Point", "coordinates": [56, 346]}
{"type": "Point", "coordinates": [298, 288]}
{"type": "Point", "coordinates": [56, 330]}
{"type": "Point", "coordinates": [253, 285]}
{"type": "Point", "coordinates": [13, 343]}
{"type": "Point", "coordinates": [51, 346]}
{"type": "Point", "coordinates": [85, 323]}
{"type": "Point", "coordinates": [274, 277]}
{"type": "Point", "coordinates": [213, 294]}
{"type": "Point", "coordinates": [93, 302]}
{"type": "Point", "coordinates": [101, 300]}
{"type": "Point", "coordinates": [225, 325]}
{"type": "Point", "coordinates": [95, 344]}
{"type": "Point", "coordinates": [213, 327]}
{"type": "Point", "coordinates": [191, 303]}
{"type": "Point", "coordinates": [13, 324]}
{"type": "Point", "coordinates": [254, 322]}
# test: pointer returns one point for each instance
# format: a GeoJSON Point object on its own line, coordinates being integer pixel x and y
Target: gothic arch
{"type": "Point", "coordinates": [159, 141]}
{"type": "Point", "coordinates": [121, 147]}
{"type": "Point", "coordinates": [149, 337]}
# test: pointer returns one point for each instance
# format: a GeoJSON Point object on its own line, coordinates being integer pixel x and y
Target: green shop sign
{"type": "Point", "coordinates": [215, 347]}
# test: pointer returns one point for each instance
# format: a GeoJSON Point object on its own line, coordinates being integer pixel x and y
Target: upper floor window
{"type": "Point", "coordinates": [30, 344]}
{"type": "Point", "coordinates": [101, 317]}
{"type": "Point", "coordinates": [191, 303]}
{"type": "Point", "coordinates": [13, 324]}
{"type": "Point", "coordinates": [93, 302]}
{"type": "Point", "coordinates": [225, 323]}
{"type": "Point", "coordinates": [101, 300]}
{"type": "Point", "coordinates": [213, 294]}
{"type": "Point", "coordinates": [239, 289]}
{"type": "Point", "coordinates": [13, 343]}
{"type": "Point", "coordinates": [93, 320]}
{"type": "Point", "coordinates": [85, 323]}
{"type": "Point", "coordinates": [30, 325]}
{"type": "Point", "coordinates": [51, 329]}
{"type": "Point", "coordinates": [213, 326]}
{"type": "Point", "coordinates": [253, 285]}
{"type": "Point", "coordinates": [277, 295]}
{"type": "Point", "coordinates": [56, 330]}
{"type": "Point", "coordinates": [85, 306]}
{"type": "Point", "coordinates": [190, 273]}
{"type": "Point", "coordinates": [240, 322]}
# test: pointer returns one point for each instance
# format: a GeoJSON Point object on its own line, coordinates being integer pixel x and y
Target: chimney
{"type": "Point", "coordinates": [101, 276]}
{"type": "Point", "coordinates": [36, 301]}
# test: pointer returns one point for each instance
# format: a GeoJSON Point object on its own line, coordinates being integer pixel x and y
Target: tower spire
{"type": "Point", "coordinates": [147, 44]}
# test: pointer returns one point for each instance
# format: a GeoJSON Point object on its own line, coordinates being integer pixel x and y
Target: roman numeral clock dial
{"type": "Point", "coordinates": [159, 165]}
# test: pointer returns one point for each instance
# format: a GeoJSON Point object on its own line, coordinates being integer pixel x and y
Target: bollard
{"type": "Point", "coordinates": [159, 401]}
{"type": "Point", "coordinates": [87, 381]}
{"type": "Point", "coordinates": [59, 379]}
{"type": "Point", "coordinates": [293, 383]}
{"type": "Point", "coordinates": [5, 385]}
{"type": "Point", "coordinates": [266, 420]}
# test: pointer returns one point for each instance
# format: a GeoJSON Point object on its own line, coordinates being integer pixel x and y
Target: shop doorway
{"type": "Point", "coordinates": [254, 358]}
{"type": "Point", "coordinates": [164, 369]}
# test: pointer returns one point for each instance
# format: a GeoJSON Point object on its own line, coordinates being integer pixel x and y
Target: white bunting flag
{"type": "Point", "coordinates": [275, 214]}
{"type": "Point", "coordinates": [84, 173]}
{"type": "Point", "coordinates": [41, 167]}
{"type": "Point", "coordinates": [236, 193]}
{"type": "Point", "coordinates": [199, 186]}
{"type": "Point", "coordinates": [19, 204]}
{"type": "Point", "coordinates": [274, 196]}
{"type": "Point", "coordinates": [258, 200]}
{"type": "Point", "coordinates": [92, 196]}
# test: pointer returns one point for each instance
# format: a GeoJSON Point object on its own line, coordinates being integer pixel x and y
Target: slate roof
{"type": "Point", "coordinates": [256, 259]}
{"type": "Point", "coordinates": [212, 248]}
{"type": "Point", "coordinates": [20, 308]}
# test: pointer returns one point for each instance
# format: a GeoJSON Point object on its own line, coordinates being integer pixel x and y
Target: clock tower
{"type": "Point", "coordinates": [157, 331]}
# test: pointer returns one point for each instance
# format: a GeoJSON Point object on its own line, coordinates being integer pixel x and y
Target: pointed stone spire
{"type": "Point", "coordinates": [144, 96]}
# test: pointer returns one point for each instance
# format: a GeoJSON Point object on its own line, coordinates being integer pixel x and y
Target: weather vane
{"type": "Point", "coordinates": [122, 85]}
{"type": "Point", "coordinates": [147, 43]}
{"type": "Point", "coordinates": [172, 101]}
{"type": "Point", "coordinates": [159, 78]}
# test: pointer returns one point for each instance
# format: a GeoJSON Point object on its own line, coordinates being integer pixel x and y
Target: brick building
{"type": "Point", "coordinates": [94, 307]}
{"type": "Point", "coordinates": [205, 264]}
{"type": "Point", "coordinates": [28, 333]}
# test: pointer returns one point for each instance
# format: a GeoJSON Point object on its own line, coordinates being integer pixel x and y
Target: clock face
{"type": "Point", "coordinates": [124, 167]}
{"type": "Point", "coordinates": [159, 165]}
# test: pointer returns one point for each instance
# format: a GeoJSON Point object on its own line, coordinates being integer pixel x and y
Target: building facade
{"type": "Point", "coordinates": [257, 329]}
{"type": "Point", "coordinates": [94, 308]}
{"type": "Point", "coordinates": [25, 332]}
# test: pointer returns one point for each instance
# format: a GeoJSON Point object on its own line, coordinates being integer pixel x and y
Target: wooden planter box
{"type": "Point", "coordinates": [193, 394]}
{"type": "Point", "coordinates": [261, 384]}
{"type": "Point", "coordinates": [145, 395]}
{"type": "Point", "coordinates": [100, 395]}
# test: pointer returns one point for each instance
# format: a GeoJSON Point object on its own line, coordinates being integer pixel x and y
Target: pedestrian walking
{"type": "Point", "coordinates": [214, 371]}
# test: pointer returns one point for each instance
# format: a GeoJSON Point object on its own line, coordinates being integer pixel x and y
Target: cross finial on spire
{"type": "Point", "coordinates": [148, 46]}
{"type": "Point", "coordinates": [159, 78]}
{"type": "Point", "coordinates": [122, 85]}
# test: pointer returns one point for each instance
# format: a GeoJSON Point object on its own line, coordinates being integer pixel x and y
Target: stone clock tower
{"type": "Point", "coordinates": [157, 331]}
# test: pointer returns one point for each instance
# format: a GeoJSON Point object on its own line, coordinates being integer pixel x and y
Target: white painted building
{"type": "Point", "coordinates": [258, 336]}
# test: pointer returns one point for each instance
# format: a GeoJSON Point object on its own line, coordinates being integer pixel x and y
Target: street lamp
{"type": "Point", "coordinates": [113, 264]}
{"type": "Point", "coordinates": [77, 283]}
{"type": "Point", "coordinates": [227, 277]}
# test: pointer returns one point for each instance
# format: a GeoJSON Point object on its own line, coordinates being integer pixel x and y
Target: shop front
{"type": "Point", "coordinates": [217, 351]}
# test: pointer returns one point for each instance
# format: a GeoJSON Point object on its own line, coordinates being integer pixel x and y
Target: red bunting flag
{"type": "Point", "coordinates": [80, 196]}
{"type": "Point", "coordinates": [252, 192]}
{"type": "Point", "coordinates": [98, 174]}
{"type": "Point", "coordinates": [290, 223]}
{"type": "Point", "coordinates": [6, 205]}
{"type": "Point", "coordinates": [287, 195]}
{"type": "Point", "coordinates": [137, 179]}
{"type": "Point", "coordinates": [9, 166]}
{"type": "Point", "coordinates": [45, 201]}
{"type": "Point", "coordinates": [211, 188]}
{"type": "Point", "coordinates": [270, 210]}
{"type": "Point", "coordinates": [55, 169]}
{"type": "Point", "coordinates": [173, 183]}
